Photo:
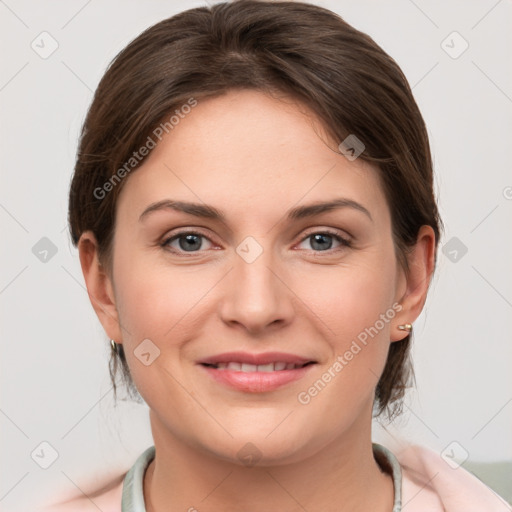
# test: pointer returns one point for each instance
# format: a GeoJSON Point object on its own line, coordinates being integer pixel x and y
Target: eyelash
{"type": "Point", "coordinates": [345, 243]}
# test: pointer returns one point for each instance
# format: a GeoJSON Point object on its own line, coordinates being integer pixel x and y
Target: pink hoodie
{"type": "Point", "coordinates": [429, 484]}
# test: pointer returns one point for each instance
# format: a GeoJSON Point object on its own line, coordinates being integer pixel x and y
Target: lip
{"type": "Point", "coordinates": [263, 358]}
{"type": "Point", "coordinates": [256, 382]}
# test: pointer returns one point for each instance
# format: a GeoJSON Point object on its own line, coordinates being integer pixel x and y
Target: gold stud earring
{"type": "Point", "coordinates": [405, 327]}
{"type": "Point", "coordinates": [113, 344]}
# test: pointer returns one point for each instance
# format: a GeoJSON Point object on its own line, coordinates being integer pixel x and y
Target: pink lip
{"type": "Point", "coordinates": [256, 382]}
{"type": "Point", "coordinates": [264, 358]}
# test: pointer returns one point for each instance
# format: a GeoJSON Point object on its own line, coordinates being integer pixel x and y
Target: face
{"type": "Point", "coordinates": [266, 276]}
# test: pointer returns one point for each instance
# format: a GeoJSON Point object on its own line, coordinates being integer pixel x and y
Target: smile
{"type": "Point", "coordinates": [249, 368]}
{"type": "Point", "coordinates": [251, 378]}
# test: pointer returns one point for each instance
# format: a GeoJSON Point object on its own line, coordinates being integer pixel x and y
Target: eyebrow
{"type": "Point", "coordinates": [210, 212]}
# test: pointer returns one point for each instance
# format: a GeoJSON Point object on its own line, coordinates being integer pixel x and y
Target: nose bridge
{"type": "Point", "coordinates": [256, 296]}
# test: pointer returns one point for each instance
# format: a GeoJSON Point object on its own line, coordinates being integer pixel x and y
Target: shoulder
{"type": "Point", "coordinates": [106, 499]}
{"type": "Point", "coordinates": [430, 483]}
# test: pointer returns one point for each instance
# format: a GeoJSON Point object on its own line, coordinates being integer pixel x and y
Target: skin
{"type": "Point", "coordinates": [295, 297]}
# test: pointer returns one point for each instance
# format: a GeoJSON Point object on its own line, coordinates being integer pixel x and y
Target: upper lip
{"type": "Point", "coordinates": [256, 359]}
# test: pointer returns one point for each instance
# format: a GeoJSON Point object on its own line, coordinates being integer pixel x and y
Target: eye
{"type": "Point", "coordinates": [191, 241]}
{"type": "Point", "coordinates": [187, 241]}
{"type": "Point", "coordinates": [322, 240]}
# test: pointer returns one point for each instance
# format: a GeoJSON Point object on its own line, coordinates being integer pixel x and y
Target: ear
{"type": "Point", "coordinates": [421, 266]}
{"type": "Point", "coordinates": [99, 286]}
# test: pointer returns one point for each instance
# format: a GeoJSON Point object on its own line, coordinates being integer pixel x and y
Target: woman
{"type": "Point", "coordinates": [253, 207]}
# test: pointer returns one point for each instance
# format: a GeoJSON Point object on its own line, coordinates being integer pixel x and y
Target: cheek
{"type": "Point", "coordinates": [154, 298]}
{"type": "Point", "coordinates": [351, 297]}
{"type": "Point", "coordinates": [156, 303]}
{"type": "Point", "coordinates": [355, 306]}
{"type": "Point", "coordinates": [166, 305]}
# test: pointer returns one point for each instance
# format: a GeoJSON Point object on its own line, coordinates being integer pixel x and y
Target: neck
{"type": "Point", "coordinates": [342, 476]}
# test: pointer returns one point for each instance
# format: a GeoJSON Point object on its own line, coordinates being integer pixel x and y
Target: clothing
{"type": "Point", "coordinates": [422, 479]}
{"type": "Point", "coordinates": [431, 484]}
{"type": "Point", "coordinates": [133, 491]}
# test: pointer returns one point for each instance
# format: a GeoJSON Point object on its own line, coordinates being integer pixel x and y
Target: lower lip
{"type": "Point", "coordinates": [257, 382]}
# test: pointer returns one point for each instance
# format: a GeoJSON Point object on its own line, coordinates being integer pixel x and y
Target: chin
{"type": "Point", "coordinates": [253, 448]}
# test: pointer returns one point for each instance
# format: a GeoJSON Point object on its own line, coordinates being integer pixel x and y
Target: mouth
{"type": "Point", "coordinates": [251, 368]}
{"type": "Point", "coordinates": [256, 378]}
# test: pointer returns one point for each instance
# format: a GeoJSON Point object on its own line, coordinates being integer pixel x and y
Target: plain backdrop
{"type": "Point", "coordinates": [54, 375]}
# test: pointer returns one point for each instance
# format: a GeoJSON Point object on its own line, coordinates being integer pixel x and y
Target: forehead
{"type": "Point", "coordinates": [248, 153]}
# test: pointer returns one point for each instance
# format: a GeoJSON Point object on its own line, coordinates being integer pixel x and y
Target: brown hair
{"type": "Point", "coordinates": [295, 48]}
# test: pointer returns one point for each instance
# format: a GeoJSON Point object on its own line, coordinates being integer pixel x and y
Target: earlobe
{"type": "Point", "coordinates": [421, 266]}
{"type": "Point", "coordinates": [99, 286]}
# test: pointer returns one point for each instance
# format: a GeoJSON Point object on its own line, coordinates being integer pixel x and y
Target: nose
{"type": "Point", "coordinates": [257, 296]}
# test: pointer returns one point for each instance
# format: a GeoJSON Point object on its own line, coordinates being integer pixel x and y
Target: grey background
{"type": "Point", "coordinates": [55, 383]}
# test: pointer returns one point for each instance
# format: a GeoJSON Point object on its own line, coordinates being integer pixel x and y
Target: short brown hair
{"type": "Point", "coordinates": [295, 48]}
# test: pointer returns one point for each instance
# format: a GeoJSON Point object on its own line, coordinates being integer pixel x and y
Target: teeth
{"type": "Point", "coordinates": [249, 368]}
{"type": "Point", "coordinates": [266, 367]}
